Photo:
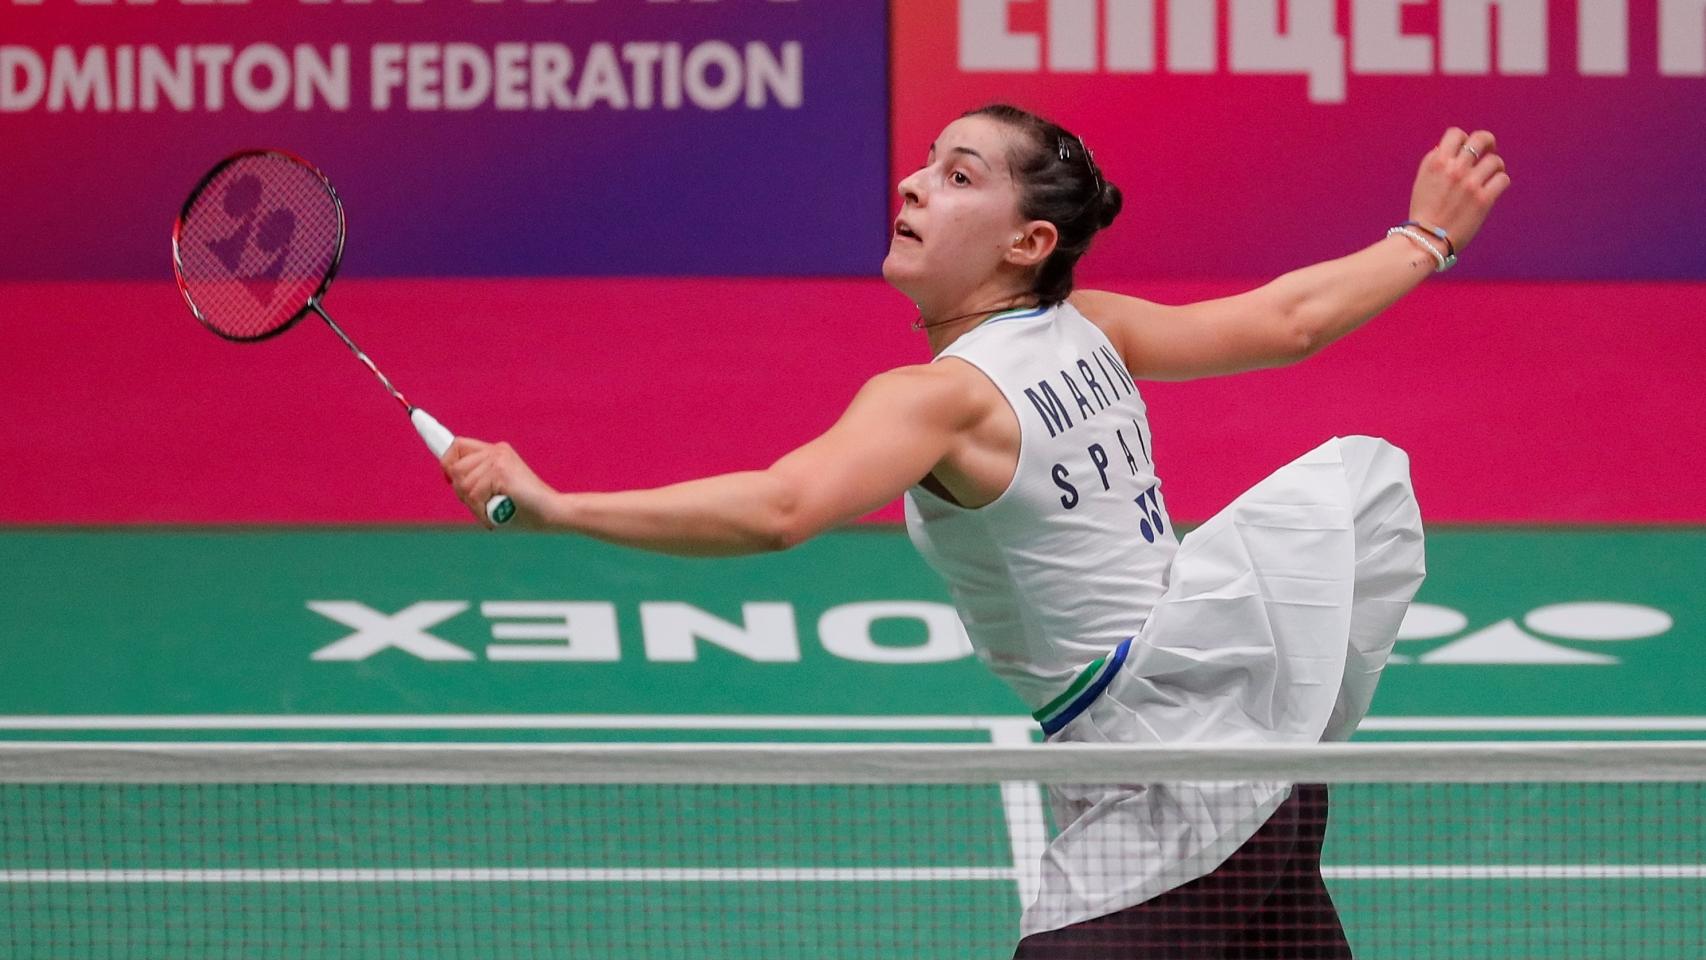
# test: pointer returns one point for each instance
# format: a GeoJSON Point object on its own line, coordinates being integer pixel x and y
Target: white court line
{"type": "Point", "coordinates": [497, 721]}
{"type": "Point", "coordinates": [1519, 872]}
{"type": "Point", "coordinates": [1534, 724]}
{"type": "Point", "coordinates": [1022, 806]}
{"type": "Point", "coordinates": [790, 874]}
{"type": "Point", "coordinates": [568, 721]}
{"type": "Point", "coordinates": [516, 875]}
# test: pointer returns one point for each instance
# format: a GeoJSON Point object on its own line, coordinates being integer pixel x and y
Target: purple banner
{"type": "Point", "coordinates": [466, 137]}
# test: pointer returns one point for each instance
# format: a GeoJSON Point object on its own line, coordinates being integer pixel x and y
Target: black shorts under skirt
{"type": "Point", "coordinates": [1266, 902]}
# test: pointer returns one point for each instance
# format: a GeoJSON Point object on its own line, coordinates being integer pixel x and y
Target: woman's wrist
{"type": "Point", "coordinates": [1419, 263]}
{"type": "Point", "coordinates": [1431, 246]}
{"type": "Point", "coordinates": [1435, 232]}
{"type": "Point", "coordinates": [560, 512]}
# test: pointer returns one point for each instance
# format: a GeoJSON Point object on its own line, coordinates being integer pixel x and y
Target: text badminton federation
{"type": "Point", "coordinates": [711, 75]}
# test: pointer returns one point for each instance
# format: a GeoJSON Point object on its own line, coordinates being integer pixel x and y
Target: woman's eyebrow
{"type": "Point", "coordinates": [965, 150]}
{"type": "Point", "coordinates": [970, 152]}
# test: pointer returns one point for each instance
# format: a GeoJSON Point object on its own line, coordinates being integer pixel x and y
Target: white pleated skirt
{"type": "Point", "coordinates": [1279, 615]}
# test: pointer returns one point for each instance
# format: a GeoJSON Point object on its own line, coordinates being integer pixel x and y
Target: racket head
{"type": "Point", "coordinates": [257, 244]}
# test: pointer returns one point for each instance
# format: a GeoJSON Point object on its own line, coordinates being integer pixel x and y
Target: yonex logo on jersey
{"type": "Point", "coordinates": [1149, 509]}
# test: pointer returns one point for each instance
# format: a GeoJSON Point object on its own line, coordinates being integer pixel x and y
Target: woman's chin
{"type": "Point", "coordinates": [900, 275]}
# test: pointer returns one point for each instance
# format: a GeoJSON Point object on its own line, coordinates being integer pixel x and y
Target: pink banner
{"type": "Point", "coordinates": [1254, 136]}
{"type": "Point", "coordinates": [1545, 402]}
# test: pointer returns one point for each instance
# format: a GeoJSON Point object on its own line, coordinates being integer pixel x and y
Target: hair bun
{"type": "Point", "coordinates": [1111, 202]}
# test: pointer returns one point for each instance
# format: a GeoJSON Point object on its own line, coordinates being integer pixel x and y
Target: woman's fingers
{"type": "Point", "coordinates": [1476, 147]}
{"type": "Point", "coordinates": [479, 471]}
{"type": "Point", "coordinates": [1451, 144]}
{"type": "Point", "coordinates": [476, 487]}
{"type": "Point", "coordinates": [1489, 166]}
{"type": "Point", "coordinates": [1458, 182]}
{"type": "Point", "coordinates": [1497, 185]}
{"type": "Point", "coordinates": [462, 448]}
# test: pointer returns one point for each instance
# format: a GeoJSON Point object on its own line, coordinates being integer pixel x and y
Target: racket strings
{"type": "Point", "coordinates": [257, 243]}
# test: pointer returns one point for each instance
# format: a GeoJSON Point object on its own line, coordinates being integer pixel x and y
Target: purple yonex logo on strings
{"type": "Point", "coordinates": [269, 233]}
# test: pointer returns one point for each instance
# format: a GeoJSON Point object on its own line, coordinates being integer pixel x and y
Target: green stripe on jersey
{"type": "Point", "coordinates": [1059, 703]}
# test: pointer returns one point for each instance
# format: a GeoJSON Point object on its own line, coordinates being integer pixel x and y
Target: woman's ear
{"type": "Point", "coordinates": [1032, 244]}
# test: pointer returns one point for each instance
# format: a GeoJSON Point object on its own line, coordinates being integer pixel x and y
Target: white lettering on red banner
{"type": "Point", "coordinates": [262, 77]}
{"type": "Point", "coordinates": [1304, 37]}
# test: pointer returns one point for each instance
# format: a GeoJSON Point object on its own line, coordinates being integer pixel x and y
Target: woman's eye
{"type": "Point", "coordinates": [959, 177]}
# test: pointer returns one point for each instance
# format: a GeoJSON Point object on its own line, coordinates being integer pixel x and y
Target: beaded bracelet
{"type": "Point", "coordinates": [1439, 257]}
{"type": "Point", "coordinates": [1450, 248]}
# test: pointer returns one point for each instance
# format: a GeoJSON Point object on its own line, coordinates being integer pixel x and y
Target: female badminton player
{"type": "Point", "coordinates": [1023, 452]}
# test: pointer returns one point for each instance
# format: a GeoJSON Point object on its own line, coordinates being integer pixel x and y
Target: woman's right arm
{"type": "Point", "coordinates": [898, 427]}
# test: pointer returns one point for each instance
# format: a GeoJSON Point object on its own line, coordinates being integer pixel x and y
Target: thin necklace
{"type": "Point", "coordinates": [919, 323]}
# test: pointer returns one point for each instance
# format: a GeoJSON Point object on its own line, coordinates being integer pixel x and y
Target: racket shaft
{"type": "Point", "coordinates": [383, 379]}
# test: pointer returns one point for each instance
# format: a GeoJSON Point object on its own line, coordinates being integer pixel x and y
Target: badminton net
{"type": "Point", "coordinates": [1532, 850]}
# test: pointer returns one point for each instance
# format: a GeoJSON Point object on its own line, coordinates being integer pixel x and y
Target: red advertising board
{"type": "Point", "coordinates": [1530, 402]}
{"type": "Point", "coordinates": [1254, 136]}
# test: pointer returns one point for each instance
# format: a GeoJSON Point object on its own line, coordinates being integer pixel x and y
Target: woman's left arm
{"type": "Point", "coordinates": [1301, 312]}
{"type": "Point", "coordinates": [899, 425]}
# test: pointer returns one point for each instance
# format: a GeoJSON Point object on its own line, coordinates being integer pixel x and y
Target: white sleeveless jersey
{"type": "Point", "coordinates": [1073, 555]}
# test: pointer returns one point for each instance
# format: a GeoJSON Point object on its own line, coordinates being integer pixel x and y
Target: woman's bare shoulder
{"type": "Point", "coordinates": [1104, 307]}
{"type": "Point", "coordinates": [1116, 315]}
{"type": "Point", "coordinates": [950, 390]}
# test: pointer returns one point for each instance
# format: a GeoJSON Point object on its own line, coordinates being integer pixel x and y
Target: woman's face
{"type": "Point", "coordinates": [958, 217]}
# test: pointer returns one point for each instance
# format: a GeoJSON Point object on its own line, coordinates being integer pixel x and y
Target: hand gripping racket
{"type": "Point", "coordinates": [255, 248]}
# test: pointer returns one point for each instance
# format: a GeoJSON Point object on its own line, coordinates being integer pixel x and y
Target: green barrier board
{"type": "Point", "coordinates": [1532, 623]}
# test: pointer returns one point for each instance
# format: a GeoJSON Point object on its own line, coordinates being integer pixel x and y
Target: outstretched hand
{"type": "Point", "coordinates": [1457, 184]}
{"type": "Point", "coordinates": [479, 471]}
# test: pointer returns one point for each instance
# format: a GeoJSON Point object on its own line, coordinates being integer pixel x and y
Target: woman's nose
{"type": "Point", "coordinates": [909, 188]}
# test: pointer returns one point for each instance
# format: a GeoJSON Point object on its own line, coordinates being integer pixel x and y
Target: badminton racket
{"type": "Point", "coordinates": [256, 247]}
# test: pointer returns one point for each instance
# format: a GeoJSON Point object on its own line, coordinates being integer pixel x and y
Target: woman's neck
{"type": "Point", "coordinates": [946, 324]}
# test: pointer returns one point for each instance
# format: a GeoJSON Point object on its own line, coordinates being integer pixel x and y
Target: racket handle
{"type": "Point", "coordinates": [499, 509]}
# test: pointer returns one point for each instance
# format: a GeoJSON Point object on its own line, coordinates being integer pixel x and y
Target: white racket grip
{"type": "Point", "coordinates": [437, 438]}
{"type": "Point", "coordinates": [499, 509]}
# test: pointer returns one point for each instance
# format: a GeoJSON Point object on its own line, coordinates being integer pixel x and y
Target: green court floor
{"type": "Point", "coordinates": [453, 635]}
{"type": "Point", "coordinates": [1488, 871]}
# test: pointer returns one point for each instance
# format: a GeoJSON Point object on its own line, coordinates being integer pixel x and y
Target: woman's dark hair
{"type": "Point", "coordinates": [1058, 182]}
